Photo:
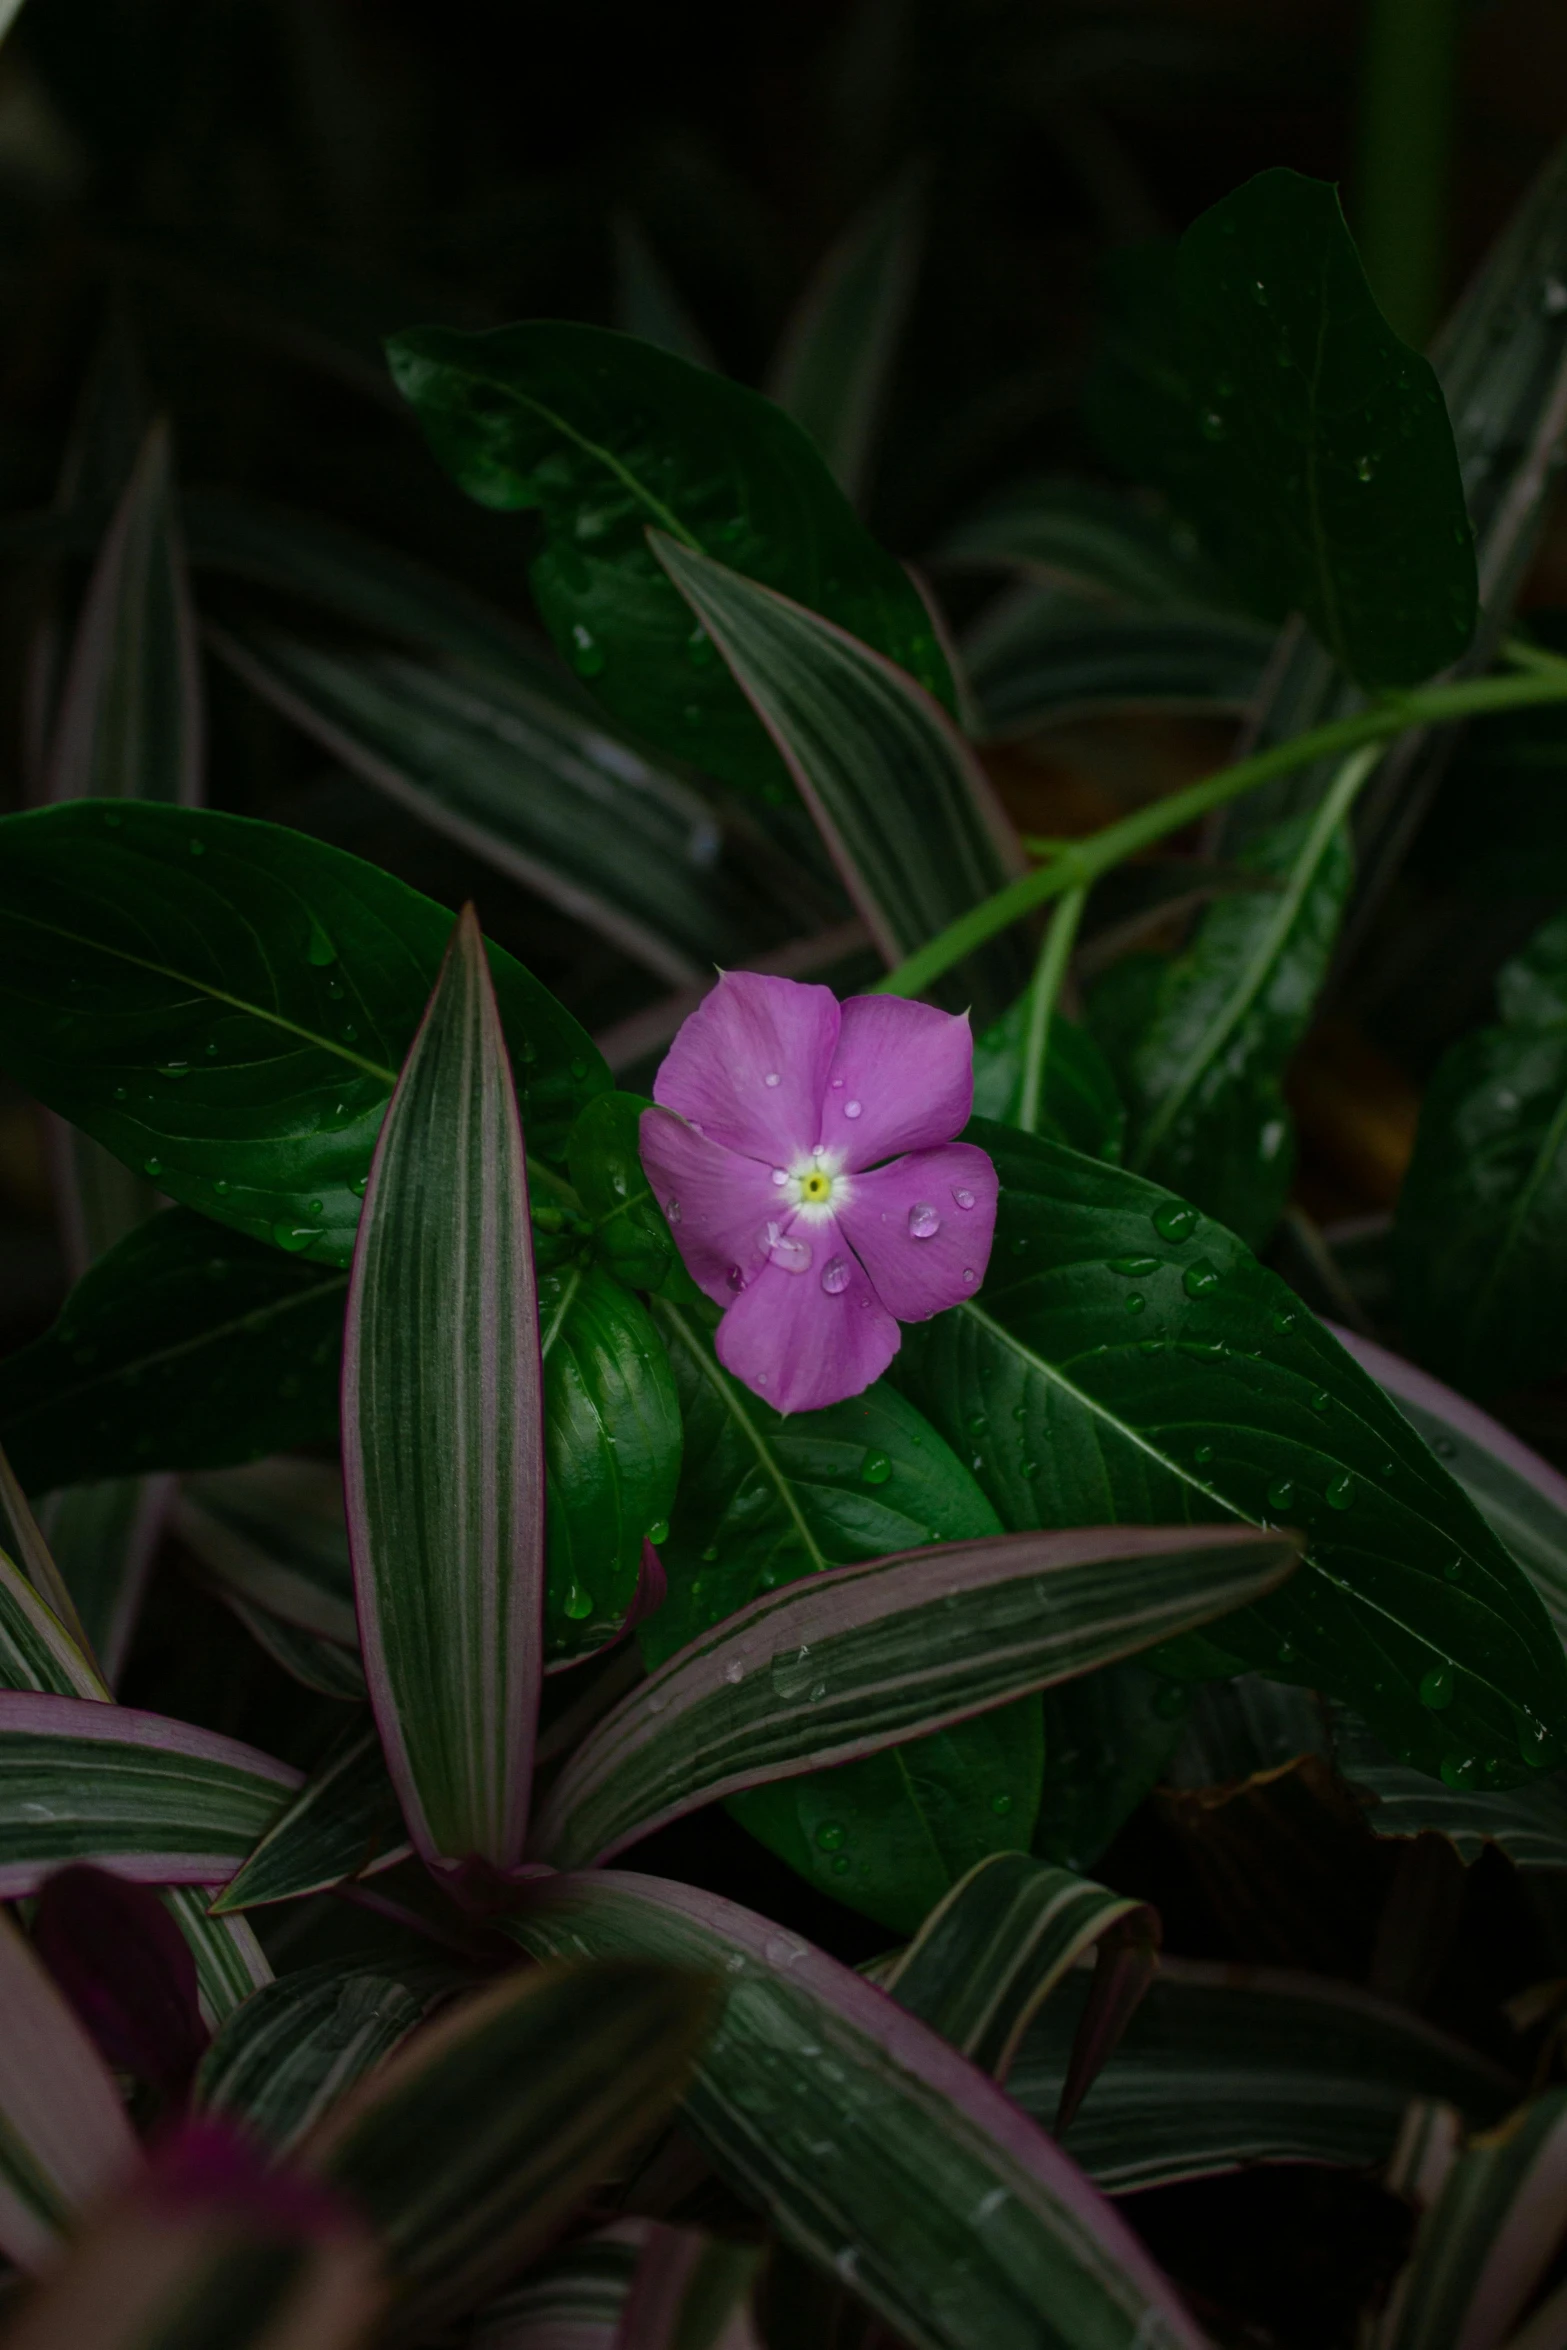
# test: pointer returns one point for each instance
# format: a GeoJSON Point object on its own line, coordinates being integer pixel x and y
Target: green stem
{"type": "Point", "coordinates": [1079, 866]}
{"type": "Point", "coordinates": [1054, 956]}
{"type": "Point", "coordinates": [1408, 84]}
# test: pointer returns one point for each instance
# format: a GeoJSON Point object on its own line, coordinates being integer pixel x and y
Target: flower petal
{"type": "Point", "coordinates": [800, 1344]}
{"type": "Point", "coordinates": [902, 1078]}
{"type": "Point", "coordinates": [716, 1200]}
{"type": "Point", "coordinates": [923, 1249]}
{"type": "Point", "coordinates": [749, 1067]}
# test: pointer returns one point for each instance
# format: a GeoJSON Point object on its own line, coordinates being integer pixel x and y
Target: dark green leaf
{"type": "Point", "coordinates": [1047, 654]}
{"type": "Point", "coordinates": [648, 304]}
{"type": "Point", "coordinates": [612, 1444]}
{"type": "Point", "coordinates": [631, 1235]}
{"type": "Point", "coordinates": [1488, 2240]}
{"type": "Point", "coordinates": [345, 1822]}
{"type": "Point", "coordinates": [1307, 443]}
{"type": "Point", "coordinates": [1128, 1360]}
{"type": "Point", "coordinates": [1108, 1737]}
{"type": "Point", "coordinates": [1480, 1238]}
{"type": "Point", "coordinates": [1078, 1101]}
{"type": "Point", "coordinates": [186, 1347]}
{"type": "Point", "coordinates": [280, 2061]}
{"type": "Point", "coordinates": [1065, 532]}
{"type": "Point", "coordinates": [103, 1536]}
{"type": "Point", "coordinates": [1528, 1824]}
{"type": "Point", "coordinates": [226, 1004]}
{"type": "Point", "coordinates": [764, 1500]}
{"type": "Point", "coordinates": [271, 1536]}
{"type": "Point", "coordinates": [606, 437]}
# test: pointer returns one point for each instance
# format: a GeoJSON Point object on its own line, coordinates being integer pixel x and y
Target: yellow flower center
{"type": "Point", "coordinates": [815, 1187]}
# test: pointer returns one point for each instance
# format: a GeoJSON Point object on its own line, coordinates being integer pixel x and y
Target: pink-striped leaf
{"type": "Point", "coordinates": [875, 2148]}
{"type": "Point", "coordinates": [869, 1656]}
{"type": "Point", "coordinates": [442, 1433]}
{"type": "Point", "coordinates": [64, 2137]}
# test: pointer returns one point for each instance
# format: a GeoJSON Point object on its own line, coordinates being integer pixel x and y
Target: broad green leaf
{"type": "Point", "coordinates": [103, 1537]}
{"type": "Point", "coordinates": [1308, 444]}
{"type": "Point", "coordinates": [1223, 2066]}
{"type": "Point", "coordinates": [631, 1235]}
{"type": "Point", "coordinates": [281, 2061]}
{"type": "Point", "coordinates": [1078, 1101]}
{"type": "Point", "coordinates": [834, 1668]}
{"type": "Point", "coordinates": [648, 304]}
{"type": "Point", "coordinates": [344, 1822]}
{"type": "Point", "coordinates": [1043, 655]}
{"type": "Point", "coordinates": [535, 789]}
{"type": "Point", "coordinates": [64, 2135]}
{"type": "Point", "coordinates": [1488, 2241]}
{"type": "Point", "coordinates": [1108, 1737]}
{"type": "Point", "coordinates": [612, 1445]}
{"type": "Point", "coordinates": [187, 1346]}
{"type": "Point", "coordinates": [468, 2149]}
{"type": "Point", "coordinates": [605, 438]}
{"type": "Point", "coordinates": [1205, 1080]}
{"type": "Point", "coordinates": [1521, 1498]}
{"type": "Point", "coordinates": [874, 2148]}
{"type": "Point", "coordinates": [1528, 1824]}
{"type": "Point", "coordinates": [834, 367]}
{"type": "Point", "coordinates": [910, 817]}
{"type": "Point", "coordinates": [1478, 1236]}
{"type": "Point", "coordinates": [573, 2299]}
{"type": "Point", "coordinates": [158, 1801]}
{"type": "Point", "coordinates": [1130, 1360]}
{"type": "Point", "coordinates": [1060, 531]}
{"type": "Point", "coordinates": [986, 1960]}
{"type": "Point", "coordinates": [225, 1005]}
{"type": "Point", "coordinates": [765, 1499]}
{"type": "Point", "coordinates": [443, 1432]}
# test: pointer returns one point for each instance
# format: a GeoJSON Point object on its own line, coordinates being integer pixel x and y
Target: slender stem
{"type": "Point", "coordinates": [1408, 85]}
{"type": "Point", "coordinates": [1054, 956]}
{"type": "Point", "coordinates": [1524, 655]}
{"type": "Point", "coordinates": [1083, 863]}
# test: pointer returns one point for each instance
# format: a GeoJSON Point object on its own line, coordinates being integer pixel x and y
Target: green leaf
{"type": "Point", "coordinates": [470, 2148]}
{"type": "Point", "coordinates": [1108, 1737]}
{"type": "Point", "coordinates": [1487, 2241]}
{"type": "Point", "coordinates": [573, 2299]}
{"type": "Point", "coordinates": [631, 1235]}
{"type": "Point", "coordinates": [36, 1651]}
{"type": "Point", "coordinates": [1528, 1824]}
{"type": "Point", "coordinates": [281, 2061]}
{"type": "Point", "coordinates": [1078, 1101]}
{"type": "Point", "coordinates": [186, 1347]}
{"type": "Point", "coordinates": [834, 366]}
{"type": "Point", "coordinates": [1206, 1077]}
{"type": "Point", "coordinates": [872, 1656]}
{"type": "Point", "coordinates": [648, 304]}
{"type": "Point", "coordinates": [1218, 1396]}
{"type": "Point", "coordinates": [1222, 2067]}
{"type": "Point", "coordinates": [443, 1447]}
{"type": "Point", "coordinates": [606, 437]}
{"type": "Point", "coordinates": [345, 1822]}
{"type": "Point", "coordinates": [64, 2135]}
{"type": "Point", "coordinates": [104, 1536]}
{"type": "Point", "coordinates": [765, 1499]}
{"type": "Point", "coordinates": [1479, 1254]}
{"type": "Point", "coordinates": [158, 1801]}
{"type": "Point", "coordinates": [882, 2154]}
{"type": "Point", "coordinates": [225, 1004]}
{"type": "Point", "coordinates": [534, 788]}
{"type": "Point", "coordinates": [270, 1542]}
{"type": "Point", "coordinates": [612, 1444]}
{"type": "Point", "coordinates": [1306, 442]}
{"type": "Point", "coordinates": [1044, 655]}
{"type": "Point", "coordinates": [910, 817]}
{"type": "Point", "coordinates": [230, 1962]}
{"type": "Point", "coordinates": [1059, 531]}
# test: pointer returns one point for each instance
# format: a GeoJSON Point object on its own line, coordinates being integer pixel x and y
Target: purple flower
{"type": "Point", "coordinates": [802, 1152]}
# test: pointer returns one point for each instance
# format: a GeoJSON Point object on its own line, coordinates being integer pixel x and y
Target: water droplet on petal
{"type": "Point", "coordinates": [969, 1276]}
{"type": "Point", "coordinates": [875, 1469]}
{"type": "Point", "coordinates": [965, 1199]}
{"type": "Point", "coordinates": [924, 1221]}
{"type": "Point", "coordinates": [736, 1277]}
{"type": "Point", "coordinates": [672, 1210]}
{"type": "Point", "coordinates": [772, 1078]}
{"type": "Point", "coordinates": [836, 1276]}
{"type": "Point", "coordinates": [851, 1109]}
{"type": "Point", "coordinates": [788, 1250]}
{"type": "Point", "coordinates": [780, 1176]}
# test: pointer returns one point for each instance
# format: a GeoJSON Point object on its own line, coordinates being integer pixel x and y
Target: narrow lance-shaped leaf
{"type": "Point", "coordinates": [1488, 2239]}
{"type": "Point", "coordinates": [22, 1541]}
{"type": "Point", "coordinates": [442, 1432]}
{"type": "Point", "coordinates": [912, 821]}
{"type": "Point", "coordinates": [873, 2147]}
{"type": "Point", "coordinates": [690, 2285]}
{"type": "Point", "coordinates": [64, 2135]}
{"type": "Point", "coordinates": [345, 1822]}
{"type": "Point", "coordinates": [573, 2299]}
{"type": "Point", "coordinates": [104, 1536]}
{"type": "Point", "coordinates": [470, 2146]}
{"type": "Point", "coordinates": [280, 2062]}
{"type": "Point", "coordinates": [869, 1656]}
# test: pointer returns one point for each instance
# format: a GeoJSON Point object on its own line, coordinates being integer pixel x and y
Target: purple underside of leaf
{"type": "Point", "coordinates": [127, 1970]}
{"type": "Point", "coordinates": [1407, 1384]}
{"type": "Point", "coordinates": [902, 2041]}
{"type": "Point", "coordinates": [40, 1714]}
{"type": "Point", "coordinates": [856, 1598]}
{"type": "Point", "coordinates": [449, 1591]}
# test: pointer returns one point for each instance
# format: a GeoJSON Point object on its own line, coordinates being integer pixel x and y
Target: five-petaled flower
{"type": "Point", "coordinates": [803, 1154]}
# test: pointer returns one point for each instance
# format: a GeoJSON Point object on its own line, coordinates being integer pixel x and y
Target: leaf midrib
{"type": "Point", "coordinates": [713, 1374]}
{"type": "Point", "coordinates": [605, 457]}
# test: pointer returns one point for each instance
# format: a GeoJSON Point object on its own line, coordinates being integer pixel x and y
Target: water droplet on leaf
{"type": "Point", "coordinates": [1438, 1688]}
{"type": "Point", "coordinates": [1174, 1221]}
{"type": "Point", "coordinates": [1199, 1279]}
{"type": "Point", "coordinates": [875, 1469]}
{"type": "Point", "coordinates": [1341, 1492]}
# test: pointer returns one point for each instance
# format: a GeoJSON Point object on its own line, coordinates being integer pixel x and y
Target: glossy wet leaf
{"type": "Point", "coordinates": [188, 1346]}
{"type": "Point", "coordinates": [631, 1235]}
{"type": "Point", "coordinates": [1078, 1101]}
{"type": "Point", "coordinates": [884, 2156]}
{"type": "Point", "coordinates": [284, 2058]}
{"type": "Point", "coordinates": [443, 1432]}
{"type": "Point", "coordinates": [1309, 445]}
{"type": "Point", "coordinates": [1528, 1824]}
{"type": "Point", "coordinates": [1130, 1359]}
{"type": "Point", "coordinates": [225, 1004]}
{"type": "Point", "coordinates": [606, 438]}
{"type": "Point", "coordinates": [1478, 1246]}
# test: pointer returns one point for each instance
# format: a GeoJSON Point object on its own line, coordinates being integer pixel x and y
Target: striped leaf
{"type": "Point", "coordinates": [867, 1657]}
{"type": "Point", "coordinates": [1528, 1823]}
{"type": "Point", "coordinates": [874, 2148]}
{"type": "Point", "coordinates": [1110, 545]}
{"type": "Point", "coordinates": [1487, 2240]}
{"type": "Point", "coordinates": [1224, 2066]}
{"type": "Point", "coordinates": [230, 1962]}
{"type": "Point", "coordinates": [344, 1822]}
{"type": "Point", "coordinates": [104, 1536]}
{"type": "Point", "coordinates": [691, 2288]}
{"type": "Point", "coordinates": [571, 2300]}
{"type": "Point", "coordinates": [156, 1800]}
{"type": "Point", "coordinates": [909, 816]}
{"type": "Point", "coordinates": [283, 2059]}
{"type": "Point", "coordinates": [989, 1956]}
{"type": "Point", "coordinates": [64, 2136]}
{"type": "Point", "coordinates": [21, 1539]}
{"type": "Point", "coordinates": [443, 1432]}
{"type": "Point", "coordinates": [1042, 657]}
{"type": "Point", "coordinates": [272, 1534]}
{"type": "Point", "coordinates": [468, 2149]}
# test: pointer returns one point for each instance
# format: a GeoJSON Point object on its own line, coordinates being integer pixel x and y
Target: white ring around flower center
{"type": "Point", "coordinates": [816, 1187]}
